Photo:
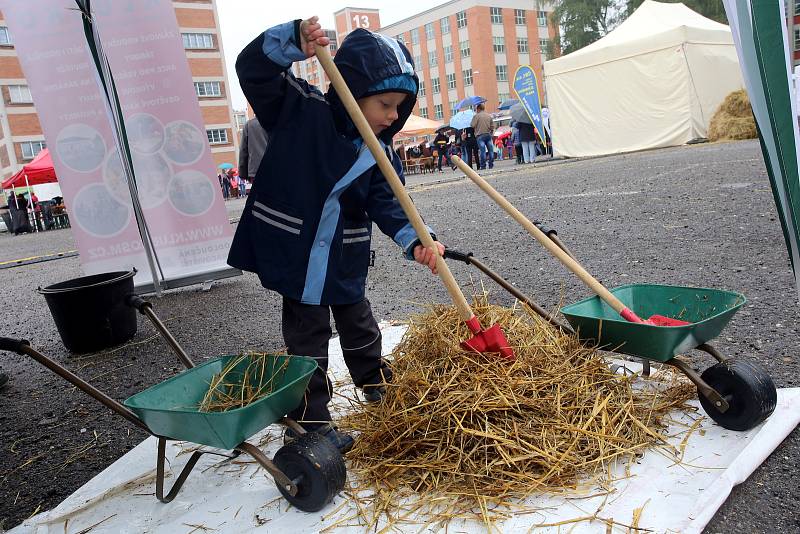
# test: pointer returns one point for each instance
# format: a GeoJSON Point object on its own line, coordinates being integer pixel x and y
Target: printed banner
{"type": "Point", "coordinates": [527, 90]}
{"type": "Point", "coordinates": [178, 189]}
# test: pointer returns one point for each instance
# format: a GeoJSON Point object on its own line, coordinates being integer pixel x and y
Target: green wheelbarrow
{"type": "Point", "coordinates": [736, 394]}
{"type": "Point", "coordinates": [308, 471]}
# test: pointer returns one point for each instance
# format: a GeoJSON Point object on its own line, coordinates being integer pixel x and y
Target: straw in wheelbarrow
{"type": "Point", "coordinates": [244, 380]}
{"type": "Point", "coordinates": [490, 340]}
{"type": "Point", "coordinates": [458, 433]}
{"type": "Point", "coordinates": [570, 263]}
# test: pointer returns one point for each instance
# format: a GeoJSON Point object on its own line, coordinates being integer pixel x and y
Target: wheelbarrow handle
{"type": "Point", "coordinates": [146, 308]}
{"type": "Point", "coordinates": [14, 345]}
{"type": "Point", "coordinates": [453, 254]}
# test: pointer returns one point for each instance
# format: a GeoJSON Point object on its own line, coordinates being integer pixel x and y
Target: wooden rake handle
{"type": "Point", "coordinates": [390, 174]}
{"type": "Point", "coordinates": [562, 256]}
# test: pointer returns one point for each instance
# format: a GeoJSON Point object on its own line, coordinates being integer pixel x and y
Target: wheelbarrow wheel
{"type": "Point", "coordinates": [315, 466]}
{"type": "Point", "coordinates": [748, 389]}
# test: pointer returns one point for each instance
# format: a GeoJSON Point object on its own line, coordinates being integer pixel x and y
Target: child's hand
{"type": "Point", "coordinates": [426, 256]}
{"type": "Point", "coordinates": [311, 34]}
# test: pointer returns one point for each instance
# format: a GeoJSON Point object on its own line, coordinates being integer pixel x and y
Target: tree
{"type": "Point", "coordinates": [582, 22]}
{"type": "Point", "coordinates": [712, 9]}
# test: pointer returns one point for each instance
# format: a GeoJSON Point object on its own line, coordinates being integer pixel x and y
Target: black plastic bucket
{"type": "Point", "coordinates": [90, 312]}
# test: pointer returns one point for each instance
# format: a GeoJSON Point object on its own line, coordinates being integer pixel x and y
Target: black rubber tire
{"type": "Point", "coordinates": [317, 464]}
{"type": "Point", "coordinates": [747, 387]}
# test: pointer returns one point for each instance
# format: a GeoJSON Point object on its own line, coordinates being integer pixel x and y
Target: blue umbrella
{"type": "Point", "coordinates": [225, 166]}
{"type": "Point", "coordinates": [508, 103]}
{"type": "Point", "coordinates": [470, 101]}
{"type": "Point", "coordinates": [462, 119]}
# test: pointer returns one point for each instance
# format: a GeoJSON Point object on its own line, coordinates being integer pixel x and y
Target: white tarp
{"type": "Point", "coordinates": [655, 81]}
{"type": "Point", "coordinates": [679, 491]}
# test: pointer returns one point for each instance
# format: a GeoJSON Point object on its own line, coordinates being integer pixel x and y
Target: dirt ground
{"type": "Point", "coordinates": [699, 215]}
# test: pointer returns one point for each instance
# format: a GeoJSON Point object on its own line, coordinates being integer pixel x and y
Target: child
{"type": "Point", "coordinates": [307, 223]}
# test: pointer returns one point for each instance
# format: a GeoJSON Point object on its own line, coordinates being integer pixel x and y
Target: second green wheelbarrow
{"type": "Point", "coordinates": [308, 471]}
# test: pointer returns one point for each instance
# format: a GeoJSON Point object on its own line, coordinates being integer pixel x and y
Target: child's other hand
{"type": "Point", "coordinates": [311, 34]}
{"type": "Point", "coordinates": [426, 256]}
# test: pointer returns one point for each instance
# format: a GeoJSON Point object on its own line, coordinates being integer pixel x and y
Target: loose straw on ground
{"type": "Point", "coordinates": [482, 432]}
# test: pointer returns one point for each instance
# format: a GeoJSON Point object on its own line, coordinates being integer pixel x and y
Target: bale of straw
{"type": "Point", "coordinates": [480, 428]}
{"type": "Point", "coordinates": [733, 120]}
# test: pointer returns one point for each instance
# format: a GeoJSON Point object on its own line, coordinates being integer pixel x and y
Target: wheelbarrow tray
{"type": "Point", "coordinates": [171, 408]}
{"type": "Point", "coordinates": [706, 310]}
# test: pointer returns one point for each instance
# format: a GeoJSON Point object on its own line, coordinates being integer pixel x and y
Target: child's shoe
{"type": "Point", "coordinates": [342, 441]}
{"type": "Point", "coordinates": [374, 394]}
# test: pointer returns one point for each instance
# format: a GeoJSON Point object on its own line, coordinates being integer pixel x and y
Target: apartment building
{"type": "Point", "coordinates": [793, 23]}
{"type": "Point", "coordinates": [460, 48]}
{"type": "Point", "coordinates": [21, 136]}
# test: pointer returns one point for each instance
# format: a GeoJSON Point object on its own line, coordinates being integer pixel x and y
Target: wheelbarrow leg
{"type": "Point", "coordinates": [707, 391]}
{"type": "Point", "coordinates": [162, 447]}
{"type": "Point", "coordinates": [708, 349]}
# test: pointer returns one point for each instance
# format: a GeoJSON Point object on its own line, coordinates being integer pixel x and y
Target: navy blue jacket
{"type": "Point", "coordinates": [307, 224]}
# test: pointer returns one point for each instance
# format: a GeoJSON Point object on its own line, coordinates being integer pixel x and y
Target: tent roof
{"type": "Point", "coordinates": [39, 171]}
{"type": "Point", "coordinates": [416, 125]}
{"type": "Point", "coordinates": [653, 26]}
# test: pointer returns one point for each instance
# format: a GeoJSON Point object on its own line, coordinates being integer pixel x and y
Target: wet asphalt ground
{"type": "Point", "coordinates": [697, 215]}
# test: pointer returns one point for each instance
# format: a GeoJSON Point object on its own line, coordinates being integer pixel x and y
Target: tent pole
{"type": "Point", "coordinates": [30, 196]}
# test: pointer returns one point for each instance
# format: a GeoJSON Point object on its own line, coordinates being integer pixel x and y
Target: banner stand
{"type": "Point", "coordinates": [205, 278]}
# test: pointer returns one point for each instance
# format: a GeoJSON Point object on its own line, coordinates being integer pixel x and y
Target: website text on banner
{"type": "Point", "coordinates": [527, 89]}
{"type": "Point", "coordinates": [175, 175]}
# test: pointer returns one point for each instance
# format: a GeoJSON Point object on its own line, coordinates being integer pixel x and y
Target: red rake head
{"type": "Point", "coordinates": [654, 320]}
{"type": "Point", "coordinates": [490, 340]}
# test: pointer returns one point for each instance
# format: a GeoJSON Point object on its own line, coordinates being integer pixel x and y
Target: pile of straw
{"type": "Point", "coordinates": [244, 380]}
{"type": "Point", "coordinates": [460, 427]}
{"type": "Point", "coordinates": [733, 119]}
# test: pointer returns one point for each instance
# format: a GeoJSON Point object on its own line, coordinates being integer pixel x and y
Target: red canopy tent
{"type": "Point", "coordinates": [38, 171]}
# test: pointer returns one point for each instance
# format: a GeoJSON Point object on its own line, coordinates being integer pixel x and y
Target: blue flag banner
{"type": "Point", "coordinates": [527, 89]}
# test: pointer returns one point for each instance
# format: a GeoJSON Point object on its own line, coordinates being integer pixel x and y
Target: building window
{"type": "Point", "coordinates": [438, 112]}
{"type": "Point", "coordinates": [498, 44]}
{"type": "Point", "coordinates": [454, 109]}
{"type": "Point", "coordinates": [415, 36]}
{"type": "Point", "coordinates": [217, 136]}
{"type": "Point", "coordinates": [197, 40]}
{"type": "Point", "coordinates": [207, 89]}
{"type": "Point", "coordinates": [496, 15]}
{"type": "Point", "coordinates": [522, 45]}
{"type": "Point", "coordinates": [544, 46]}
{"type": "Point", "coordinates": [444, 24]}
{"type": "Point", "coordinates": [519, 17]}
{"type": "Point", "coordinates": [331, 34]}
{"type": "Point", "coordinates": [797, 37]}
{"type": "Point", "coordinates": [423, 112]}
{"type": "Point", "coordinates": [448, 53]}
{"type": "Point", "coordinates": [500, 72]}
{"type": "Point", "coordinates": [467, 76]}
{"type": "Point", "coordinates": [461, 19]}
{"type": "Point", "coordinates": [541, 18]}
{"type": "Point", "coordinates": [451, 80]}
{"type": "Point", "coordinates": [432, 58]}
{"type": "Point", "coordinates": [464, 47]}
{"type": "Point", "coordinates": [418, 61]}
{"type": "Point", "coordinates": [502, 97]}
{"type": "Point", "coordinates": [31, 148]}
{"type": "Point", "coordinates": [421, 88]}
{"type": "Point", "coordinates": [5, 37]}
{"type": "Point", "coordinates": [19, 94]}
{"type": "Point", "coordinates": [429, 30]}
{"type": "Point", "coordinates": [435, 85]}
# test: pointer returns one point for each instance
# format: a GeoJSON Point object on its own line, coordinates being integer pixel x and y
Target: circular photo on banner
{"type": "Point", "coordinates": [98, 212]}
{"type": "Point", "coordinates": [145, 133]}
{"type": "Point", "coordinates": [184, 143]}
{"type": "Point", "coordinates": [152, 172]}
{"type": "Point", "coordinates": [191, 192]}
{"type": "Point", "coordinates": [81, 147]}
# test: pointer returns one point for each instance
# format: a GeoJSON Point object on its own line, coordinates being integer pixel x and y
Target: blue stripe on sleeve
{"type": "Point", "coordinates": [279, 45]}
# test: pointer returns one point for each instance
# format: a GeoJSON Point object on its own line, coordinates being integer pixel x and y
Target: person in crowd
{"type": "Point", "coordinates": [516, 143]}
{"type": "Point", "coordinates": [483, 126]}
{"type": "Point", "coordinates": [470, 147]}
{"type": "Point", "coordinates": [6, 212]}
{"type": "Point", "coordinates": [442, 144]}
{"type": "Point", "coordinates": [527, 136]}
{"type": "Point", "coordinates": [21, 222]}
{"type": "Point", "coordinates": [306, 226]}
{"type": "Point", "coordinates": [233, 180]}
{"type": "Point", "coordinates": [251, 150]}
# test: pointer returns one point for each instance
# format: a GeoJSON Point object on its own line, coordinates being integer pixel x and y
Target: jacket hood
{"type": "Point", "coordinates": [365, 59]}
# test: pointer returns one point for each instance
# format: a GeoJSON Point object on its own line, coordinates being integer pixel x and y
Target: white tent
{"type": "Point", "coordinates": [655, 81]}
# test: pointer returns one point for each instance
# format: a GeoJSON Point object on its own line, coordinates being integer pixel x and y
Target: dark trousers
{"type": "Point", "coordinates": [472, 152]}
{"type": "Point", "coordinates": [518, 152]}
{"type": "Point", "coordinates": [306, 332]}
{"type": "Point", "coordinates": [446, 157]}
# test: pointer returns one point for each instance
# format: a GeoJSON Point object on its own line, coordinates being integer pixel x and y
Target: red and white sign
{"type": "Point", "coordinates": [175, 175]}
